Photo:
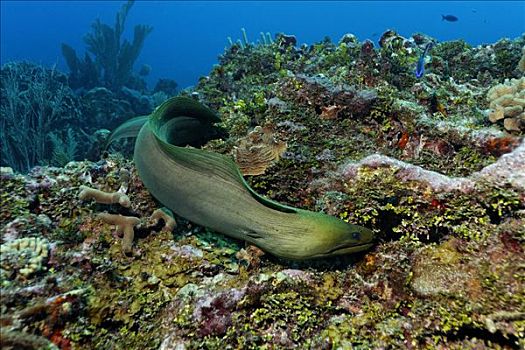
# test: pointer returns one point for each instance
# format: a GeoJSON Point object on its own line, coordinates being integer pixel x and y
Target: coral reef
{"type": "Point", "coordinates": [207, 285]}
{"type": "Point", "coordinates": [105, 108]}
{"type": "Point", "coordinates": [418, 162]}
{"type": "Point", "coordinates": [168, 86]}
{"type": "Point", "coordinates": [44, 122]}
{"type": "Point", "coordinates": [507, 103]}
{"type": "Point", "coordinates": [34, 102]}
{"type": "Point", "coordinates": [521, 63]}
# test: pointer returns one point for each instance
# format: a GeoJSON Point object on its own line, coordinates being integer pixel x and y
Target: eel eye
{"type": "Point", "coordinates": [356, 236]}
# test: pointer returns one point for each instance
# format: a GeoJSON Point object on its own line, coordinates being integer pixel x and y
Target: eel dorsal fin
{"type": "Point", "coordinates": [127, 129]}
{"type": "Point", "coordinates": [169, 126]}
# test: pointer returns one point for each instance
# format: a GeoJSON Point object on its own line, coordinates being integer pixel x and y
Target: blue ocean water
{"type": "Point", "coordinates": [189, 35]}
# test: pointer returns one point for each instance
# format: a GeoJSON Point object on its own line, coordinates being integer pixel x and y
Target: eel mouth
{"type": "Point", "coordinates": [345, 249]}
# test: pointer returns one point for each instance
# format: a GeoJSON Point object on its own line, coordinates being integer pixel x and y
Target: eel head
{"type": "Point", "coordinates": [326, 236]}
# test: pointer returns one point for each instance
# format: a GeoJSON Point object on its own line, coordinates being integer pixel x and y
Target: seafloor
{"type": "Point", "coordinates": [435, 166]}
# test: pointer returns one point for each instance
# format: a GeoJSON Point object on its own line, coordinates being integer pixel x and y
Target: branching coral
{"type": "Point", "coordinates": [507, 103]}
{"type": "Point", "coordinates": [125, 226]}
{"type": "Point", "coordinates": [82, 72]}
{"type": "Point", "coordinates": [87, 193]}
{"type": "Point", "coordinates": [258, 151]}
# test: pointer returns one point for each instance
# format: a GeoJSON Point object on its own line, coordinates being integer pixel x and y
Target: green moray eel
{"type": "Point", "coordinates": [208, 189]}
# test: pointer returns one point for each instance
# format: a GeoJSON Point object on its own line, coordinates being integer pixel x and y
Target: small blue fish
{"type": "Point", "coordinates": [420, 67]}
{"type": "Point", "coordinates": [449, 18]}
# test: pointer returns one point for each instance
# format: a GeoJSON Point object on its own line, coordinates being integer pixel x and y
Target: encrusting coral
{"type": "Point", "coordinates": [508, 170]}
{"type": "Point", "coordinates": [102, 197]}
{"type": "Point", "coordinates": [258, 151]}
{"type": "Point", "coordinates": [507, 103]}
{"type": "Point", "coordinates": [22, 340]}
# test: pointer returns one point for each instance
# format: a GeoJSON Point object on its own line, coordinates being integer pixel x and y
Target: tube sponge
{"type": "Point", "coordinates": [125, 225]}
{"type": "Point", "coordinates": [102, 197]}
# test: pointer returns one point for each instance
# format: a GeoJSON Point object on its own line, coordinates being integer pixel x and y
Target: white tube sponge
{"type": "Point", "coordinates": [125, 225]}
{"type": "Point", "coordinates": [102, 197]}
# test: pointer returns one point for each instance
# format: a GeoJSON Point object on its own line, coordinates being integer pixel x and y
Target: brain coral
{"type": "Point", "coordinates": [24, 256]}
{"type": "Point", "coordinates": [507, 102]}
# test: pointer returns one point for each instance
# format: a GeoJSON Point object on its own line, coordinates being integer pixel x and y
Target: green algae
{"type": "Point", "coordinates": [409, 210]}
{"type": "Point", "coordinates": [14, 200]}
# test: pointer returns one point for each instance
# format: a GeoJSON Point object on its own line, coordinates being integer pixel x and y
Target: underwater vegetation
{"type": "Point", "coordinates": [50, 118]}
{"type": "Point", "coordinates": [113, 58]}
{"type": "Point", "coordinates": [37, 106]}
{"type": "Point", "coordinates": [433, 166]}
